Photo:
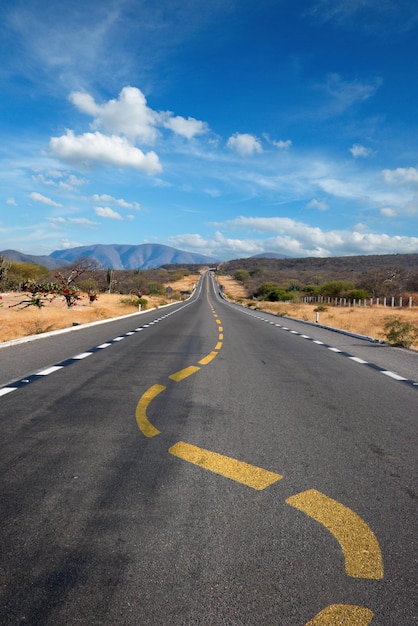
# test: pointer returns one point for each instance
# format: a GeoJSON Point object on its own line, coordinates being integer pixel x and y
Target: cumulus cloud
{"type": "Point", "coordinates": [357, 150]}
{"type": "Point", "coordinates": [107, 212]}
{"type": "Point", "coordinates": [288, 236]}
{"type": "Point", "coordinates": [38, 197]}
{"type": "Point", "coordinates": [403, 175]}
{"type": "Point", "coordinates": [318, 204]}
{"type": "Point", "coordinates": [11, 201]}
{"type": "Point", "coordinates": [126, 115]}
{"type": "Point", "coordinates": [244, 144]}
{"type": "Point", "coordinates": [187, 128]}
{"type": "Point", "coordinates": [130, 115]}
{"type": "Point", "coordinates": [96, 148]}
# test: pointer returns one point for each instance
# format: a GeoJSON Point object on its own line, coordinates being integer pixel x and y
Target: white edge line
{"type": "Point", "coordinates": [7, 390]}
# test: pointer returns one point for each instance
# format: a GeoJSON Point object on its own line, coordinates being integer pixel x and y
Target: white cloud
{"type": "Point", "coordinates": [107, 212]}
{"type": "Point", "coordinates": [127, 115]}
{"type": "Point", "coordinates": [282, 145]}
{"type": "Point", "coordinates": [344, 94]}
{"type": "Point", "coordinates": [318, 204]}
{"type": "Point", "coordinates": [130, 115]}
{"type": "Point", "coordinates": [95, 148]}
{"type": "Point", "coordinates": [119, 201]}
{"type": "Point", "coordinates": [71, 183]}
{"type": "Point", "coordinates": [299, 239]}
{"type": "Point", "coordinates": [357, 150]}
{"type": "Point", "coordinates": [388, 212]}
{"type": "Point", "coordinates": [187, 128]}
{"type": "Point", "coordinates": [11, 202]}
{"type": "Point", "coordinates": [38, 197]}
{"type": "Point", "coordinates": [81, 221]}
{"type": "Point", "coordinates": [401, 175]}
{"type": "Point", "coordinates": [244, 144]}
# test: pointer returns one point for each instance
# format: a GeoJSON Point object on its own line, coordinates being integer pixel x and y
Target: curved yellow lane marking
{"type": "Point", "coordinates": [363, 558]}
{"type": "Point", "coordinates": [342, 615]}
{"type": "Point", "coordinates": [244, 473]}
{"type": "Point", "coordinates": [144, 424]}
{"type": "Point", "coordinates": [187, 371]}
{"type": "Point", "coordinates": [208, 358]}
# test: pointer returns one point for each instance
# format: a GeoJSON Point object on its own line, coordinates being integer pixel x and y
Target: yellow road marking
{"type": "Point", "coordinates": [220, 336]}
{"type": "Point", "coordinates": [187, 371]}
{"type": "Point", "coordinates": [218, 322]}
{"type": "Point", "coordinates": [221, 330]}
{"type": "Point", "coordinates": [144, 424]}
{"type": "Point", "coordinates": [208, 358]}
{"type": "Point", "coordinates": [218, 345]}
{"type": "Point", "coordinates": [241, 472]}
{"type": "Point", "coordinates": [363, 558]}
{"type": "Point", "coordinates": [342, 615]}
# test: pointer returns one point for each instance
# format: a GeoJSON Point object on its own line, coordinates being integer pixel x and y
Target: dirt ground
{"type": "Point", "coordinates": [17, 322]}
{"type": "Point", "coordinates": [367, 321]}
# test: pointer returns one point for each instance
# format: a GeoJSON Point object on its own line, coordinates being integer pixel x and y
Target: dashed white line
{"type": "Point", "coordinates": [49, 370]}
{"type": "Point", "coordinates": [393, 375]}
{"type": "Point", "coordinates": [358, 360]}
{"type": "Point", "coordinates": [83, 355]}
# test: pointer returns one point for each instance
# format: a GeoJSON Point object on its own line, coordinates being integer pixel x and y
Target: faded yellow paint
{"type": "Point", "coordinates": [342, 615]}
{"type": "Point", "coordinates": [363, 558]}
{"type": "Point", "coordinates": [250, 475]}
{"type": "Point", "coordinates": [187, 371]}
{"type": "Point", "coordinates": [142, 420]}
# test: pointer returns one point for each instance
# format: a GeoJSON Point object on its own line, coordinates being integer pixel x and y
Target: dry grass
{"type": "Point", "coordinates": [365, 321]}
{"type": "Point", "coordinates": [19, 322]}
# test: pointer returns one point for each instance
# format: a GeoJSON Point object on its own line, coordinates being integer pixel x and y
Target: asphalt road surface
{"type": "Point", "coordinates": [205, 464]}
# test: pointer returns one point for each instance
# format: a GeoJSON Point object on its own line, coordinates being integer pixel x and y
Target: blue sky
{"type": "Point", "coordinates": [228, 127]}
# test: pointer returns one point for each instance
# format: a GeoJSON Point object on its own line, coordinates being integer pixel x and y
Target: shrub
{"type": "Point", "coordinates": [398, 332]}
{"type": "Point", "coordinates": [134, 301]}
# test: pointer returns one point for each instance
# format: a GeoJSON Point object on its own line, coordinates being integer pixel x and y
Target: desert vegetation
{"type": "Point", "coordinates": [284, 287]}
{"type": "Point", "coordinates": [34, 300]}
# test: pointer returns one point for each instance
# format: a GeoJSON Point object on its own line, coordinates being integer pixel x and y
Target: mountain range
{"type": "Point", "coordinates": [116, 256]}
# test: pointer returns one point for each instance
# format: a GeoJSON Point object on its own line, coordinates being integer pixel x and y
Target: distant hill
{"type": "Point", "coordinates": [20, 257]}
{"type": "Point", "coordinates": [117, 256]}
{"type": "Point", "coordinates": [329, 268]}
{"type": "Point", "coordinates": [270, 255]}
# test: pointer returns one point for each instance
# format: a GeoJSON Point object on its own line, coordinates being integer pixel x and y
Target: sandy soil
{"type": "Point", "coordinates": [17, 322]}
{"type": "Point", "coordinates": [367, 321]}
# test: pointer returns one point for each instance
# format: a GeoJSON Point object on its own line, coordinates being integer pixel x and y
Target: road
{"type": "Point", "coordinates": [205, 464]}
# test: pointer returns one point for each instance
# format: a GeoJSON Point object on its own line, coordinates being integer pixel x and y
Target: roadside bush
{"type": "Point", "coordinates": [398, 332]}
{"type": "Point", "coordinates": [134, 301]}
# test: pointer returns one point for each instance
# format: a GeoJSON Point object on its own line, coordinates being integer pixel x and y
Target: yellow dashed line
{"type": "Point", "coordinates": [220, 336]}
{"type": "Point", "coordinates": [363, 558]}
{"type": "Point", "coordinates": [218, 345]}
{"type": "Point", "coordinates": [187, 371]}
{"type": "Point", "coordinates": [208, 358]}
{"type": "Point", "coordinates": [241, 472]}
{"type": "Point", "coordinates": [144, 424]}
{"type": "Point", "coordinates": [218, 322]}
{"type": "Point", "coordinates": [342, 615]}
